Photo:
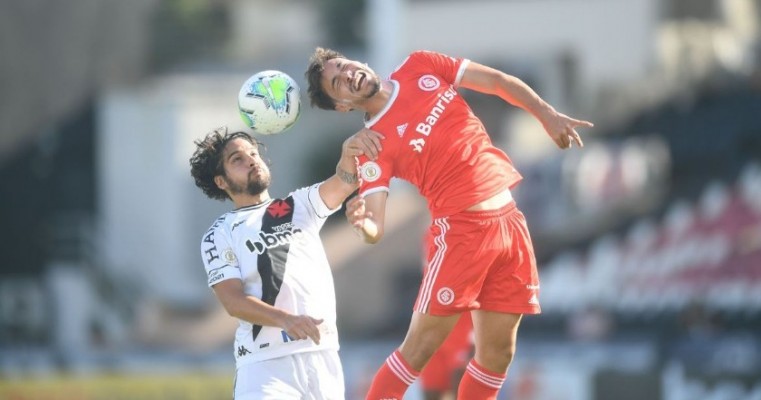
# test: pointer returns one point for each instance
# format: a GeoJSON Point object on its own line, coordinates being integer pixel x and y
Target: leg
{"type": "Point", "coordinates": [496, 334]}
{"type": "Point", "coordinates": [510, 290]}
{"type": "Point", "coordinates": [325, 378]}
{"type": "Point", "coordinates": [425, 335]}
{"type": "Point", "coordinates": [275, 379]}
{"type": "Point", "coordinates": [441, 376]}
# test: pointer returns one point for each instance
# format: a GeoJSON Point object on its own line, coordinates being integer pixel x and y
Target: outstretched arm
{"type": "Point", "coordinates": [560, 127]}
{"type": "Point", "coordinates": [339, 186]}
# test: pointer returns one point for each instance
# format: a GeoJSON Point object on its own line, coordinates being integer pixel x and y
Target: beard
{"type": "Point", "coordinates": [253, 187]}
{"type": "Point", "coordinates": [258, 186]}
{"type": "Point", "coordinates": [373, 82]}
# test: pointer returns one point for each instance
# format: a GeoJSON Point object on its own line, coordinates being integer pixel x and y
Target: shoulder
{"type": "Point", "coordinates": [220, 222]}
{"type": "Point", "coordinates": [302, 193]}
{"type": "Point", "coordinates": [427, 55]}
{"type": "Point", "coordinates": [309, 199]}
{"type": "Point", "coordinates": [415, 58]}
{"type": "Point", "coordinates": [425, 61]}
{"type": "Point", "coordinates": [218, 229]}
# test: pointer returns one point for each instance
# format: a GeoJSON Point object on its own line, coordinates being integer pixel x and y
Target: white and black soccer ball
{"type": "Point", "coordinates": [269, 102]}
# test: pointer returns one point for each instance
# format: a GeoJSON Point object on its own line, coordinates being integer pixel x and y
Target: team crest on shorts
{"type": "Point", "coordinates": [428, 83]}
{"type": "Point", "coordinates": [370, 171]}
{"type": "Point", "coordinates": [445, 296]}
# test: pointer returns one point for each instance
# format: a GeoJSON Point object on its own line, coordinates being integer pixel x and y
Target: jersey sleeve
{"type": "Point", "coordinates": [219, 258]}
{"type": "Point", "coordinates": [374, 176]}
{"type": "Point", "coordinates": [311, 200]}
{"type": "Point", "coordinates": [449, 68]}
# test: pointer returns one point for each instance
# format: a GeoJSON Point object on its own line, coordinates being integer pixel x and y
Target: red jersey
{"type": "Point", "coordinates": [434, 141]}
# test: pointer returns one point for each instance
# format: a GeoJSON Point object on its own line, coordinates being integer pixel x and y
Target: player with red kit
{"type": "Point", "coordinates": [479, 253]}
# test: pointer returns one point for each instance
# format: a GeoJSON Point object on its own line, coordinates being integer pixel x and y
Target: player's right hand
{"type": "Point", "coordinates": [299, 327]}
{"type": "Point", "coordinates": [356, 212]}
{"type": "Point", "coordinates": [562, 130]}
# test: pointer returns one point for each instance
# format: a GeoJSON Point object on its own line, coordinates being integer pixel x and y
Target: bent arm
{"type": "Point", "coordinates": [339, 186]}
{"type": "Point", "coordinates": [249, 308]}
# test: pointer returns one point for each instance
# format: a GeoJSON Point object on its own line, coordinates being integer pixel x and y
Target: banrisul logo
{"type": "Point", "coordinates": [282, 234]}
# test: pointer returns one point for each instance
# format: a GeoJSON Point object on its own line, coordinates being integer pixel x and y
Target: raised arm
{"type": "Point", "coordinates": [560, 127]}
{"type": "Point", "coordinates": [339, 186]}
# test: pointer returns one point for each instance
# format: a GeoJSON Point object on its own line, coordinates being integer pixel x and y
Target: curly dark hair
{"type": "Point", "coordinates": [313, 74]}
{"type": "Point", "coordinates": [206, 162]}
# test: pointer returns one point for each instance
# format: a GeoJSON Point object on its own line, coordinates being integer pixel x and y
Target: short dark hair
{"type": "Point", "coordinates": [313, 74]}
{"type": "Point", "coordinates": [206, 162]}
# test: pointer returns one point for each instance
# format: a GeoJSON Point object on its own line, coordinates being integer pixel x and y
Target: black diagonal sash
{"type": "Point", "coordinates": [271, 263]}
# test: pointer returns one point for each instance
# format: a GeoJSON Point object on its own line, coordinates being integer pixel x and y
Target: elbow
{"type": "Point", "coordinates": [233, 308]}
{"type": "Point", "coordinates": [232, 311]}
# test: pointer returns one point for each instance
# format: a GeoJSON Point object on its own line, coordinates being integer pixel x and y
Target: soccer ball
{"type": "Point", "coordinates": [269, 102]}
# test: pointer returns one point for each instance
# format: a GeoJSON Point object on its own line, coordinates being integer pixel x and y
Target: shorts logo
{"type": "Point", "coordinates": [370, 171]}
{"type": "Point", "coordinates": [428, 83]}
{"type": "Point", "coordinates": [445, 296]}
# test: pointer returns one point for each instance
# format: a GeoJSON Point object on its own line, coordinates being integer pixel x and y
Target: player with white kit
{"type": "Point", "coordinates": [267, 266]}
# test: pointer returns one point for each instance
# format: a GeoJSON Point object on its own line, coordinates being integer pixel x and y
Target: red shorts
{"type": "Point", "coordinates": [480, 260]}
{"type": "Point", "coordinates": [453, 355]}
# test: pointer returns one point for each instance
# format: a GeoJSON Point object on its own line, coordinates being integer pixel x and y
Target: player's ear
{"type": "Point", "coordinates": [219, 180]}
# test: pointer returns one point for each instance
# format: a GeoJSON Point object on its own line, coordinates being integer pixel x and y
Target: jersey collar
{"type": "Point", "coordinates": [394, 92]}
{"type": "Point", "coordinates": [254, 206]}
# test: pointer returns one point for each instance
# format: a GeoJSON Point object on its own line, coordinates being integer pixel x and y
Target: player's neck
{"type": "Point", "coordinates": [247, 200]}
{"type": "Point", "coordinates": [376, 104]}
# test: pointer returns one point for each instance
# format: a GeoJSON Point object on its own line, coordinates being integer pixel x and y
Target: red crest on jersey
{"type": "Point", "coordinates": [278, 209]}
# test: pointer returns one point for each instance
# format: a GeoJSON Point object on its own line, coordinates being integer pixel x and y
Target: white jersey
{"type": "Point", "coordinates": [275, 249]}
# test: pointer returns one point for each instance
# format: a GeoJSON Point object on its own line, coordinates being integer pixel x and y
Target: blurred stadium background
{"type": "Point", "coordinates": [649, 239]}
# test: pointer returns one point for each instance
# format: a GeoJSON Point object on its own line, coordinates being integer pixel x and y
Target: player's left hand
{"type": "Point", "coordinates": [562, 130]}
{"type": "Point", "coordinates": [300, 327]}
{"type": "Point", "coordinates": [364, 142]}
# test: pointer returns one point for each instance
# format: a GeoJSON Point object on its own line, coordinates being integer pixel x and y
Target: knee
{"type": "Point", "coordinates": [496, 357]}
{"type": "Point", "coordinates": [418, 349]}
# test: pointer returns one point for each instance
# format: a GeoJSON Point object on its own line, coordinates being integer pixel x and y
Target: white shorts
{"type": "Point", "coordinates": [314, 375]}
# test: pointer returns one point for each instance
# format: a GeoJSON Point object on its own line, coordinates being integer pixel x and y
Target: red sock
{"type": "Point", "coordinates": [479, 383]}
{"type": "Point", "coordinates": [392, 379]}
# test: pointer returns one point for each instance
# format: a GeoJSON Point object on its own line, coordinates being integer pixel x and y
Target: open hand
{"type": "Point", "coordinates": [299, 327]}
{"type": "Point", "coordinates": [562, 130]}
